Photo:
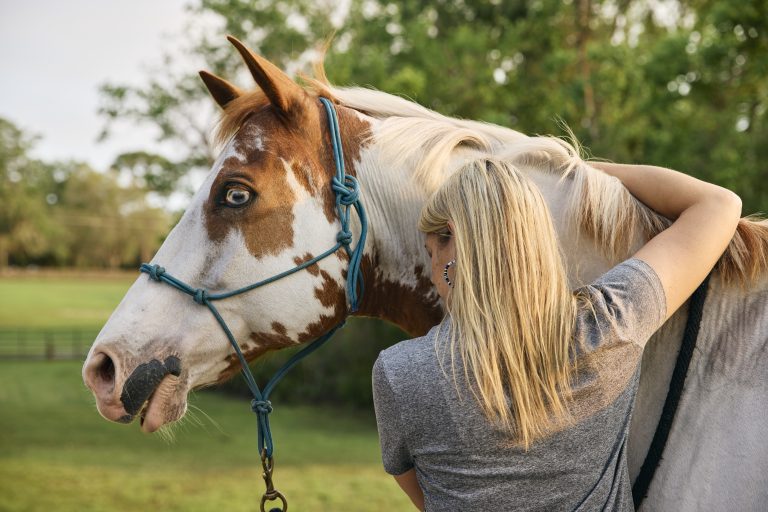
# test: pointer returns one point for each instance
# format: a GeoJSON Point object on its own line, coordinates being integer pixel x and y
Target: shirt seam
{"type": "Point", "coordinates": [653, 279]}
{"type": "Point", "coordinates": [400, 419]}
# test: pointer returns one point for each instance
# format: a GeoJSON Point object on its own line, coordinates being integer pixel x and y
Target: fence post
{"type": "Point", "coordinates": [50, 351]}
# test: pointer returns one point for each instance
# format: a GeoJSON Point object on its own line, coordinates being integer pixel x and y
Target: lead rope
{"type": "Point", "coordinates": [675, 391]}
{"type": "Point", "coordinates": [347, 192]}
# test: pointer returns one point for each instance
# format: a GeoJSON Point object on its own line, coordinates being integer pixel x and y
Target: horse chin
{"type": "Point", "coordinates": [167, 404]}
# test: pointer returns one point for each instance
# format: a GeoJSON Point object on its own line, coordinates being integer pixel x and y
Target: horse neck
{"type": "Point", "coordinates": [395, 265]}
{"type": "Point", "coordinates": [583, 260]}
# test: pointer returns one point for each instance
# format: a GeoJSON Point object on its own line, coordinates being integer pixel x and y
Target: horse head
{"type": "Point", "coordinates": [266, 206]}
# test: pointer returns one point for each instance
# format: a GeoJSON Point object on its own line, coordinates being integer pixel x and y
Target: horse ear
{"type": "Point", "coordinates": [282, 92]}
{"type": "Point", "coordinates": [221, 90]}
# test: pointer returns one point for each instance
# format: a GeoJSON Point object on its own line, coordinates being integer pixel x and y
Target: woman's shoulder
{"type": "Point", "coordinates": [406, 353]}
{"type": "Point", "coordinates": [631, 274]}
{"type": "Point", "coordinates": [626, 304]}
{"type": "Point", "coordinates": [407, 356]}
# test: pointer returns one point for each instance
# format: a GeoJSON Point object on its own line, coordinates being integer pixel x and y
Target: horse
{"type": "Point", "coordinates": [267, 206]}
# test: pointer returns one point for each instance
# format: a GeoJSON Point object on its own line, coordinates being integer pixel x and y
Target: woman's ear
{"type": "Point", "coordinates": [451, 227]}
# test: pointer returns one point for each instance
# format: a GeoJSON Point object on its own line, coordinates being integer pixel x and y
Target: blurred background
{"type": "Point", "coordinates": [104, 135]}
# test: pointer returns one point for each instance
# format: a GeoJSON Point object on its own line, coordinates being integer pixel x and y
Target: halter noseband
{"type": "Point", "coordinates": [347, 192]}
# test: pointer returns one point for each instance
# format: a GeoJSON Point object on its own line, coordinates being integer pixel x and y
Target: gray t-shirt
{"type": "Point", "coordinates": [463, 462]}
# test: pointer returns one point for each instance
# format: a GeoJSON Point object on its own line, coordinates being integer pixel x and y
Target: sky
{"type": "Point", "coordinates": [55, 54]}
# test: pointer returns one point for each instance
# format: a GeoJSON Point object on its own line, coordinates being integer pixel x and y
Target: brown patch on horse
{"type": "Point", "coordinates": [355, 135]}
{"type": "Point", "coordinates": [278, 338]}
{"type": "Point", "coordinates": [313, 269]}
{"type": "Point", "coordinates": [414, 309]}
{"type": "Point", "coordinates": [267, 221]}
{"type": "Point", "coordinates": [305, 141]}
{"type": "Point", "coordinates": [313, 169]}
{"type": "Point", "coordinates": [236, 113]}
{"type": "Point", "coordinates": [233, 362]}
{"type": "Point", "coordinates": [330, 294]}
{"type": "Point", "coordinates": [304, 176]}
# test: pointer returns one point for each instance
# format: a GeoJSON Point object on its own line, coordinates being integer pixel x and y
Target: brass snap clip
{"type": "Point", "coordinates": [271, 494]}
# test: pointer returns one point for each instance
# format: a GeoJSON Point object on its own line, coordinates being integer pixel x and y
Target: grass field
{"type": "Point", "coordinates": [29, 301]}
{"type": "Point", "coordinates": [57, 453]}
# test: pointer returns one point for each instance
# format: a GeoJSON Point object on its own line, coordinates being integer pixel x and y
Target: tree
{"type": "Point", "coordinates": [681, 84]}
{"type": "Point", "coordinates": [24, 183]}
{"type": "Point", "coordinates": [65, 213]}
{"type": "Point", "coordinates": [175, 101]}
{"type": "Point", "coordinates": [104, 224]}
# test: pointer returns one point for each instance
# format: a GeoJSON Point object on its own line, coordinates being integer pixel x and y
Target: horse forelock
{"type": "Point", "coordinates": [235, 114]}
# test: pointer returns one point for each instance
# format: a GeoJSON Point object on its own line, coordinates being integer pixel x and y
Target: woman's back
{"type": "Point", "coordinates": [517, 329]}
{"type": "Point", "coordinates": [463, 462]}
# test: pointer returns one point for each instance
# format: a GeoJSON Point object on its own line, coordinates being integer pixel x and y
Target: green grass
{"type": "Point", "coordinates": [72, 302]}
{"type": "Point", "coordinates": [55, 316]}
{"type": "Point", "coordinates": [57, 453]}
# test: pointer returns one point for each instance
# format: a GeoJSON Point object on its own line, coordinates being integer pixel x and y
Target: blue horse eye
{"type": "Point", "coordinates": [237, 197]}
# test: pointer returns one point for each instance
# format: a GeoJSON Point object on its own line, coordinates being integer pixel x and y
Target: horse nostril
{"type": "Point", "coordinates": [105, 371]}
{"type": "Point", "coordinates": [99, 374]}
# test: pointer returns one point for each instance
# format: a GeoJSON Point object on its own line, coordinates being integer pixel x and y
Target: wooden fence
{"type": "Point", "coordinates": [46, 344]}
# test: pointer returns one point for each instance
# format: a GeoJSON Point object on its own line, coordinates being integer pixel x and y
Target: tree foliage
{"type": "Point", "coordinates": [25, 223]}
{"type": "Point", "coordinates": [65, 213]}
{"type": "Point", "coordinates": [682, 84]}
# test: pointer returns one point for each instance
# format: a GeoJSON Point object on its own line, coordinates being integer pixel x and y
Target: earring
{"type": "Point", "coordinates": [445, 272]}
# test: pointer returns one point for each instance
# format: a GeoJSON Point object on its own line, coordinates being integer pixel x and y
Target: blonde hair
{"type": "Point", "coordinates": [511, 310]}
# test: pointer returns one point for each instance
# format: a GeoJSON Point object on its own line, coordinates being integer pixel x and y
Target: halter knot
{"type": "Point", "coordinates": [344, 237]}
{"type": "Point", "coordinates": [347, 191]}
{"type": "Point", "coordinates": [261, 406]}
{"type": "Point", "coordinates": [200, 296]}
{"type": "Point", "coordinates": [155, 271]}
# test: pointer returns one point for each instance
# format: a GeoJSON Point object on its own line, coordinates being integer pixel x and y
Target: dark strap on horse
{"type": "Point", "coordinates": [656, 450]}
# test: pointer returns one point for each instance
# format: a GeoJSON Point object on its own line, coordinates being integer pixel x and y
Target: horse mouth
{"type": "Point", "coordinates": [155, 391]}
{"type": "Point", "coordinates": [162, 406]}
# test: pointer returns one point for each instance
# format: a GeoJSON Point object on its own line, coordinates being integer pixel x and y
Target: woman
{"type": "Point", "coordinates": [521, 397]}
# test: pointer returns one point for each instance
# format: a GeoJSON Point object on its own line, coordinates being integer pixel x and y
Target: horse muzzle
{"type": "Point", "coordinates": [153, 390]}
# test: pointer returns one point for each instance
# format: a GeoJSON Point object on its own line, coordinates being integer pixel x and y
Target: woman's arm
{"type": "Point", "coordinates": [705, 219]}
{"type": "Point", "coordinates": [410, 486]}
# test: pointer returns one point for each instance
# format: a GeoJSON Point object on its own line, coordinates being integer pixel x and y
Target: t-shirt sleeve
{"type": "Point", "coordinates": [629, 305]}
{"type": "Point", "coordinates": [392, 436]}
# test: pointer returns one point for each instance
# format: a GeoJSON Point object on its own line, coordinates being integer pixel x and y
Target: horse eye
{"type": "Point", "coordinates": [237, 197]}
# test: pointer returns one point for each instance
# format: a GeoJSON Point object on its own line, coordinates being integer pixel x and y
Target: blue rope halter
{"type": "Point", "coordinates": [347, 192]}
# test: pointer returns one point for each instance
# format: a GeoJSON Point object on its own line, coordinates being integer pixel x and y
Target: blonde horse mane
{"type": "Point", "coordinates": [602, 207]}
